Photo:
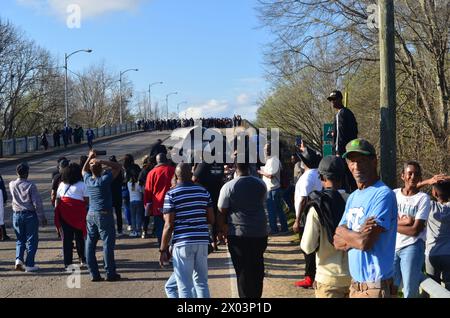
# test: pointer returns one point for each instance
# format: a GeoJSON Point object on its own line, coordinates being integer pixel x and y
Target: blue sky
{"type": "Point", "coordinates": [209, 51]}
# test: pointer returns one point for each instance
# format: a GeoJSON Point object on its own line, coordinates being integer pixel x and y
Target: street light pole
{"type": "Point", "coordinates": [167, 104]}
{"type": "Point", "coordinates": [178, 107]}
{"type": "Point", "coordinates": [150, 96]}
{"type": "Point", "coordinates": [120, 91]}
{"type": "Point", "coordinates": [66, 102]}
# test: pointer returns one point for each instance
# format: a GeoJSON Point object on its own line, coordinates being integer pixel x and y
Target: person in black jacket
{"type": "Point", "coordinates": [157, 148]}
{"type": "Point", "coordinates": [129, 168]}
{"type": "Point", "coordinates": [147, 165]}
{"type": "Point", "coordinates": [116, 190]}
{"type": "Point", "coordinates": [345, 129]}
{"type": "Point", "coordinates": [4, 236]}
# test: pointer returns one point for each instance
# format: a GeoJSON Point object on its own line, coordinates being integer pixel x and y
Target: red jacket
{"type": "Point", "coordinates": [72, 212]}
{"type": "Point", "coordinates": [156, 186]}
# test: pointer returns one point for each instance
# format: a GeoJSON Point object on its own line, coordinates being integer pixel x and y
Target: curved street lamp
{"type": "Point", "coordinates": [66, 102]}
{"type": "Point", "coordinates": [150, 97]}
{"type": "Point", "coordinates": [120, 90]}
{"type": "Point", "coordinates": [178, 107]}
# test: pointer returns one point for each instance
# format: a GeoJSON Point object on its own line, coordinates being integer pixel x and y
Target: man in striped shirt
{"type": "Point", "coordinates": [187, 211]}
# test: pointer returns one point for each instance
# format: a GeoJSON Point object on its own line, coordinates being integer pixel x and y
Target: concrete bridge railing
{"type": "Point", "coordinates": [30, 144]}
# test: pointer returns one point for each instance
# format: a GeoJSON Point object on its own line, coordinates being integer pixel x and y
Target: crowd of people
{"type": "Point", "coordinates": [359, 238]}
{"type": "Point", "coordinates": [172, 124]}
{"type": "Point", "coordinates": [68, 135]}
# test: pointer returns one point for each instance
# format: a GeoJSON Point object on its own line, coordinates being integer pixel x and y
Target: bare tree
{"type": "Point", "coordinates": [343, 29]}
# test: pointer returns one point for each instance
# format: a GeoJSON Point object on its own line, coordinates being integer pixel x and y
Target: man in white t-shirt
{"type": "Point", "coordinates": [413, 211]}
{"type": "Point", "coordinates": [271, 175]}
{"type": "Point", "coordinates": [308, 182]}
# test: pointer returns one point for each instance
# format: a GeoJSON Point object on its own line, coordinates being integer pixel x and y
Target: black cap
{"type": "Point", "coordinates": [61, 159]}
{"type": "Point", "coordinates": [113, 158]}
{"type": "Point", "coordinates": [22, 169]}
{"type": "Point", "coordinates": [332, 167]}
{"type": "Point", "coordinates": [335, 95]}
{"type": "Point", "coordinates": [63, 163]}
{"type": "Point", "coordinates": [310, 158]}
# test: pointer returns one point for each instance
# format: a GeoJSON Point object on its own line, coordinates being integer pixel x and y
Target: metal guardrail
{"type": "Point", "coordinates": [11, 147]}
{"type": "Point", "coordinates": [433, 289]}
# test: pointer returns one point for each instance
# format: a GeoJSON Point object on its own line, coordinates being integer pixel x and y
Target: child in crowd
{"type": "Point", "coordinates": [136, 205]}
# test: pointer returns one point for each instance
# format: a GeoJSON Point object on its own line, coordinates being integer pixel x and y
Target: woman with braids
{"type": "Point", "coordinates": [70, 212]}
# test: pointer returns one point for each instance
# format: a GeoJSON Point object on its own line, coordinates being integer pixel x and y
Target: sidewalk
{"type": "Point", "coordinates": [284, 265]}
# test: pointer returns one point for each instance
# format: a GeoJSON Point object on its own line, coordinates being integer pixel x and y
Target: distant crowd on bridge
{"type": "Point", "coordinates": [360, 239]}
{"type": "Point", "coordinates": [172, 124]}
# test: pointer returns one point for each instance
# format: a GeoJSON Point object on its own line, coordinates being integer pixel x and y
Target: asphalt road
{"type": "Point", "coordinates": [137, 259]}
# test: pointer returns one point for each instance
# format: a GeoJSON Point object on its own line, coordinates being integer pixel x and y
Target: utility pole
{"type": "Point", "coordinates": [388, 140]}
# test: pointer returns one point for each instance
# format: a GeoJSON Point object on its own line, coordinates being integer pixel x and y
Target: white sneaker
{"type": "Point", "coordinates": [129, 228]}
{"type": "Point", "coordinates": [30, 269]}
{"type": "Point", "coordinates": [19, 266]}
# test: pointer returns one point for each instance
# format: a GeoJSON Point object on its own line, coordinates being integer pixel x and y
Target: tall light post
{"type": "Point", "coordinates": [178, 107]}
{"type": "Point", "coordinates": [150, 96]}
{"type": "Point", "coordinates": [66, 102]}
{"type": "Point", "coordinates": [167, 103]}
{"type": "Point", "coordinates": [120, 90]}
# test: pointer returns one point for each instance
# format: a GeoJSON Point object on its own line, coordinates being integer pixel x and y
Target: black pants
{"type": "Point", "coordinates": [69, 233]}
{"type": "Point", "coordinates": [118, 209]}
{"type": "Point", "coordinates": [146, 223]}
{"type": "Point", "coordinates": [310, 262]}
{"type": "Point", "coordinates": [247, 254]}
{"type": "Point", "coordinates": [310, 265]}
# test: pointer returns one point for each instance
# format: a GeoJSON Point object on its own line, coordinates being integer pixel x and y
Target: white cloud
{"type": "Point", "coordinates": [212, 108]}
{"type": "Point", "coordinates": [242, 99]}
{"type": "Point", "coordinates": [89, 8]}
{"type": "Point", "coordinates": [243, 105]}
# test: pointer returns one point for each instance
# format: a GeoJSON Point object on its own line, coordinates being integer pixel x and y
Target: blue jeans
{"type": "Point", "coordinates": [288, 197]}
{"type": "Point", "coordinates": [137, 215]}
{"type": "Point", "coordinates": [187, 260]}
{"type": "Point", "coordinates": [26, 226]}
{"type": "Point", "coordinates": [126, 203]}
{"type": "Point", "coordinates": [408, 264]}
{"type": "Point", "coordinates": [100, 225]}
{"type": "Point", "coordinates": [171, 287]}
{"type": "Point", "coordinates": [275, 210]}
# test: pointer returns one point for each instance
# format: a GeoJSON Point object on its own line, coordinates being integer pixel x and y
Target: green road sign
{"type": "Point", "coordinates": [327, 140]}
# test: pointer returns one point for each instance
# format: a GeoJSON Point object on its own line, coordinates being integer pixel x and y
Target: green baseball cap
{"type": "Point", "coordinates": [359, 145]}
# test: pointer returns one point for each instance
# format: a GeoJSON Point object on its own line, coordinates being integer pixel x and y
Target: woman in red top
{"type": "Point", "coordinates": [70, 213]}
